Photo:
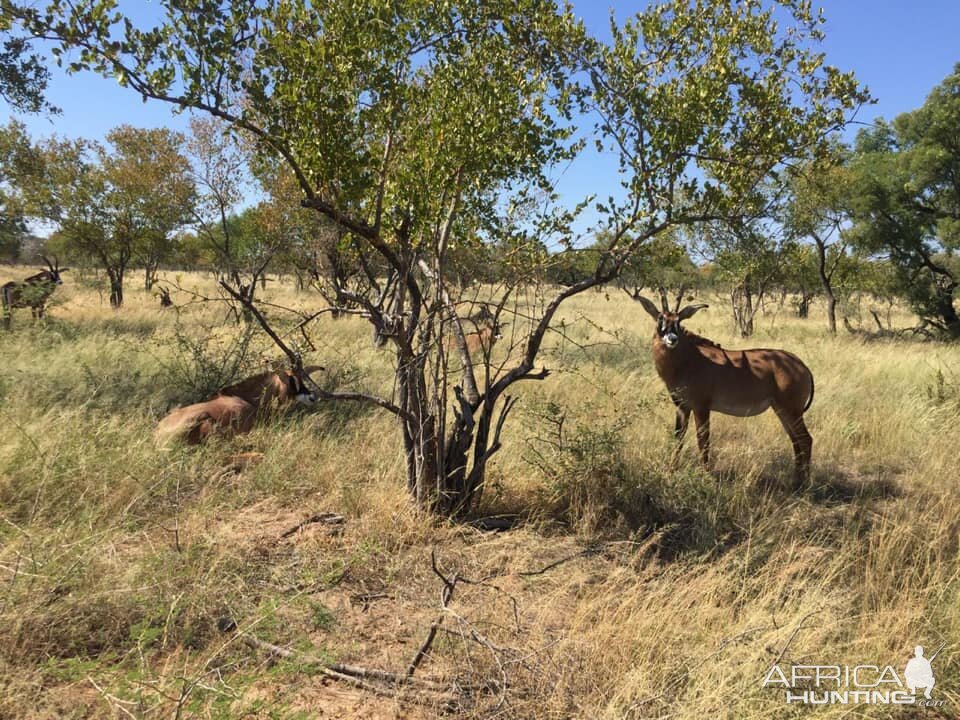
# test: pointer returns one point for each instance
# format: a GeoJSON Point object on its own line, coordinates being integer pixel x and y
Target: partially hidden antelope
{"type": "Point", "coordinates": [702, 377]}
{"type": "Point", "coordinates": [32, 292]}
{"type": "Point", "coordinates": [165, 300]}
{"type": "Point", "coordinates": [488, 331]}
{"type": "Point", "coordinates": [235, 409]}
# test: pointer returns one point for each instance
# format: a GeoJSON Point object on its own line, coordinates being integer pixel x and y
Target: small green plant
{"type": "Point", "coordinates": [321, 617]}
{"type": "Point", "coordinates": [203, 363]}
{"type": "Point", "coordinates": [583, 466]}
{"type": "Point", "coordinates": [599, 489]}
{"type": "Point", "coordinates": [944, 391]}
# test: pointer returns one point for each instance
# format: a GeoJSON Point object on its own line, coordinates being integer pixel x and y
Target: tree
{"type": "Point", "coordinates": [151, 192]}
{"type": "Point", "coordinates": [906, 201]}
{"type": "Point", "coordinates": [662, 262]}
{"type": "Point", "coordinates": [798, 276]}
{"type": "Point", "coordinates": [816, 208]}
{"type": "Point", "coordinates": [418, 126]}
{"type": "Point", "coordinates": [115, 207]}
{"type": "Point", "coordinates": [748, 255]}
{"type": "Point", "coordinates": [220, 171]}
{"type": "Point", "coordinates": [18, 159]}
{"type": "Point", "coordinates": [23, 75]}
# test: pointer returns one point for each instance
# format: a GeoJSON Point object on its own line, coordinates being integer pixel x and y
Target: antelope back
{"type": "Point", "coordinates": [282, 386]}
{"type": "Point", "coordinates": [257, 389]}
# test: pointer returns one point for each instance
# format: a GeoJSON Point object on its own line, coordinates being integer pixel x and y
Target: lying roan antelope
{"type": "Point", "coordinates": [31, 292]}
{"type": "Point", "coordinates": [483, 338]}
{"type": "Point", "coordinates": [235, 409]}
{"type": "Point", "coordinates": [702, 376]}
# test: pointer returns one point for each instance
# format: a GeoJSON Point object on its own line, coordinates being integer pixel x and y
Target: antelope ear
{"type": "Point", "coordinates": [648, 306]}
{"type": "Point", "coordinates": [690, 310]}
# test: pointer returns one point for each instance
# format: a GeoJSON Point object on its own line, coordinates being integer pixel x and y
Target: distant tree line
{"type": "Point", "coordinates": [881, 216]}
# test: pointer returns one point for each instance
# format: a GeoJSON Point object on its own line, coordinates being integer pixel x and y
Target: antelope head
{"type": "Point", "coordinates": [486, 320]}
{"type": "Point", "coordinates": [54, 269]}
{"type": "Point", "coordinates": [668, 322]}
{"type": "Point", "coordinates": [299, 384]}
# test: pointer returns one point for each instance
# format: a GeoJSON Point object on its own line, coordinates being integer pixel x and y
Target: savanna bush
{"type": "Point", "coordinates": [205, 359]}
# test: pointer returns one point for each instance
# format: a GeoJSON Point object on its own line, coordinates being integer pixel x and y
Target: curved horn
{"type": "Point", "coordinates": [679, 298]}
{"type": "Point", "coordinates": [648, 306]}
{"type": "Point", "coordinates": [689, 310]}
{"type": "Point", "coordinates": [663, 299]}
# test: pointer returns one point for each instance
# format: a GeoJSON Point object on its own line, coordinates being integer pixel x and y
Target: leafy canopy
{"type": "Point", "coordinates": [905, 200]}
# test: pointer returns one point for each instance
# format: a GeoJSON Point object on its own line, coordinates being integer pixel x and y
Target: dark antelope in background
{"type": "Point", "coordinates": [702, 376]}
{"type": "Point", "coordinates": [165, 299]}
{"type": "Point", "coordinates": [31, 292]}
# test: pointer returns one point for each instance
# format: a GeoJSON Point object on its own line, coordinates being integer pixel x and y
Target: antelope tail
{"type": "Point", "coordinates": [812, 388]}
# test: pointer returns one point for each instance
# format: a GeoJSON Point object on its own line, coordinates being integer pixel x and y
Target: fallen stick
{"type": "Point", "coordinates": [445, 596]}
{"type": "Point", "coordinates": [359, 676]}
{"type": "Point", "coordinates": [324, 668]}
{"type": "Point", "coordinates": [327, 518]}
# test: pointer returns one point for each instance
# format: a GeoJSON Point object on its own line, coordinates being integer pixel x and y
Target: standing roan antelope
{"type": "Point", "coordinates": [702, 376]}
{"type": "Point", "coordinates": [31, 292]}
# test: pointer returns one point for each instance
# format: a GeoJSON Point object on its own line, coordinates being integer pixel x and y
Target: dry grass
{"type": "Point", "coordinates": [677, 592]}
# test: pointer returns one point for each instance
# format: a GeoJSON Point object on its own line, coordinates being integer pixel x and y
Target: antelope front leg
{"type": "Point", "coordinates": [702, 418]}
{"type": "Point", "coordinates": [679, 430]}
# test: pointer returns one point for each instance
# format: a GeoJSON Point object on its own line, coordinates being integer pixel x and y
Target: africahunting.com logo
{"type": "Point", "coordinates": [857, 684]}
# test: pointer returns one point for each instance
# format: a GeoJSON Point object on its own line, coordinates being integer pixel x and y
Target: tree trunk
{"type": "Point", "coordinates": [441, 478]}
{"type": "Point", "coordinates": [825, 281]}
{"type": "Point", "coordinates": [149, 275]}
{"type": "Point", "coordinates": [743, 312]}
{"type": "Point", "coordinates": [947, 310]}
{"type": "Point", "coordinates": [116, 287]}
{"type": "Point", "coordinates": [831, 311]}
{"type": "Point", "coordinates": [420, 436]}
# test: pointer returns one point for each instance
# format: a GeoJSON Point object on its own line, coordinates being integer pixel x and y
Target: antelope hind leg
{"type": "Point", "coordinates": [802, 443]}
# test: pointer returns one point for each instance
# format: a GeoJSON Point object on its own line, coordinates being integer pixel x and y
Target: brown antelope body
{"type": "Point", "coordinates": [703, 377]}
{"type": "Point", "coordinates": [32, 292]}
{"type": "Point", "coordinates": [482, 339]}
{"type": "Point", "coordinates": [235, 409]}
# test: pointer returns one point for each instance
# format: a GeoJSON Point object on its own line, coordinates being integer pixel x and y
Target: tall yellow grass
{"type": "Point", "coordinates": [676, 592]}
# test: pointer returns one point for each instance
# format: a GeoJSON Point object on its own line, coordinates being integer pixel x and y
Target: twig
{"type": "Point", "coordinates": [586, 552]}
{"type": "Point", "coordinates": [118, 704]}
{"type": "Point", "coordinates": [324, 668]}
{"type": "Point", "coordinates": [327, 518]}
{"type": "Point", "coordinates": [799, 627]}
{"type": "Point", "coordinates": [362, 677]}
{"type": "Point", "coordinates": [445, 595]}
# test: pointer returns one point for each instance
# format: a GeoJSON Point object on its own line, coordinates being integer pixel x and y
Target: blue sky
{"type": "Point", "coordinates": [899, 49]}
